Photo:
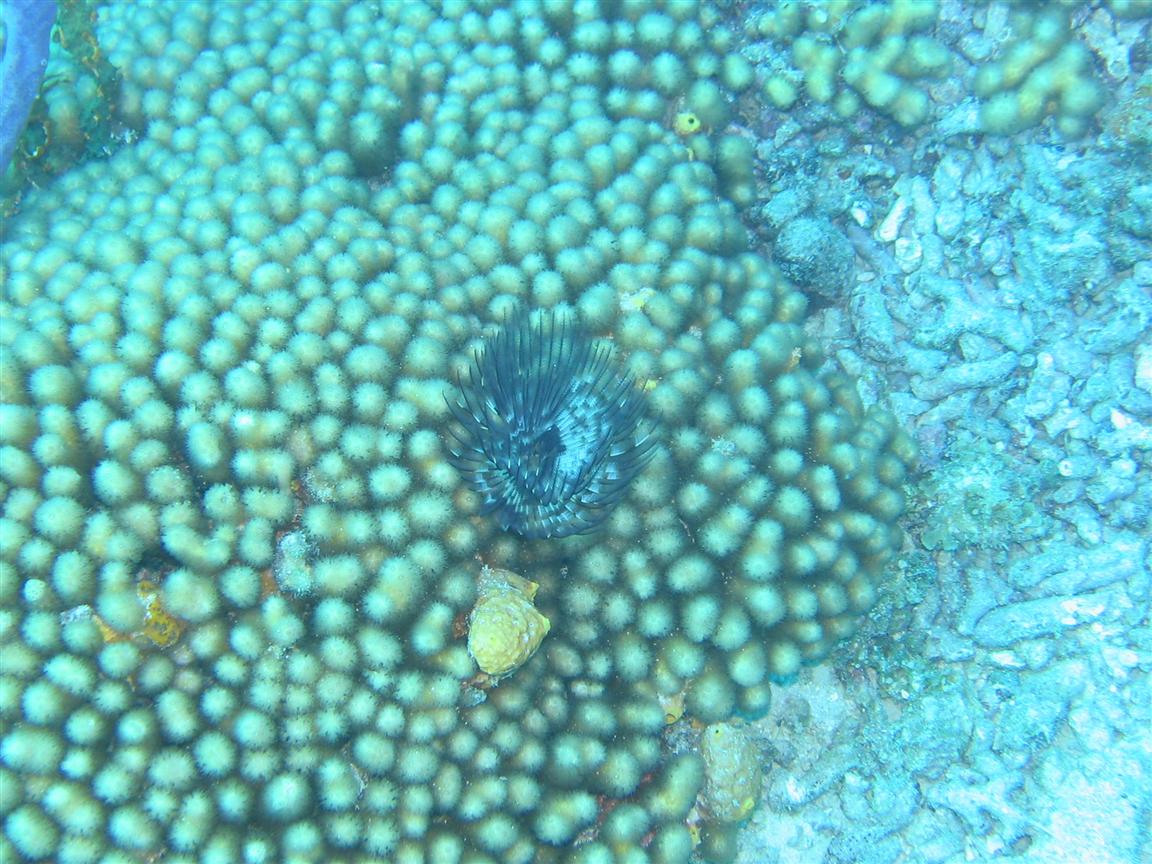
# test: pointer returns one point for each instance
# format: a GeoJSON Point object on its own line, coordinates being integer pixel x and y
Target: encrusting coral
{"type": "Point", "coordinates": [504, 628]}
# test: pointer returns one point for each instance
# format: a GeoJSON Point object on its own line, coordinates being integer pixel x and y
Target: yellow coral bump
{"type": "Point", "coordinates": [505, 629]}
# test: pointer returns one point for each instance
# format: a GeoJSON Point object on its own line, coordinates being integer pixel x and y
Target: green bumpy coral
{"type": "Point", "coordinates": [851, 54]}
{"type": "Point", "coordinates": [1043, 71]}
{"type": "Point", "coordinates": [885, 55]}
{"type": "Point", "coordinates": [236, 565]}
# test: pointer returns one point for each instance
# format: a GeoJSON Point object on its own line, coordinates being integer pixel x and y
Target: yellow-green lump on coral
{"type": "Point", "coordinates": [236, 559]}
{"type": "Point", "coordinates": [732, 772]}
{"type": "Point", "coordinates": [504, 628]}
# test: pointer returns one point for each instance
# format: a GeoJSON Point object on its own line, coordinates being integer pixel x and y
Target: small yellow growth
{"type": "Point", "coordinates": [161, 628]}
{"type": "Point", "coordinates": [673, 707]}
{"type": "Point", "coordinates": [694, 829]}
{"type": "Point", "coordinates": [635, 301]}
{"type": "Point", "coordinates": [505, 629]}
{"type": "Point", "coordinates": [107, 632]}
{"type": "Point", "coordinates": [686, 123]}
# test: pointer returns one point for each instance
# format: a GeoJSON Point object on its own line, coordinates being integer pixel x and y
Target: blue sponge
{"type": "Point", "coordinates": [27, 24]}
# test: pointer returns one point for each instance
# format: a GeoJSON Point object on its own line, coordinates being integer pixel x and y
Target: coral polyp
{"type": "Point", "coordinates": [550, 430]}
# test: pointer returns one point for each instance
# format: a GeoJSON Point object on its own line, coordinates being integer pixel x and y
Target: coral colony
{"type": "Point", "coordinates": [238, 558]}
